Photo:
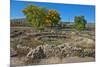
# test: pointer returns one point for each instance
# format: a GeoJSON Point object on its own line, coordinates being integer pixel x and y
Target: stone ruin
{"type": "Point", "coordinates": [61, 51]}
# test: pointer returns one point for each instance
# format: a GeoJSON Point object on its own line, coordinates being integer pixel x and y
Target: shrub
{"type": "Point", "coordinates": [80, 23]}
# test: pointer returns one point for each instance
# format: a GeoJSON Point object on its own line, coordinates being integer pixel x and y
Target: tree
{"type": "Point", "coordinates": [39, 17]}
{"type": "Point", "coordinates": [52, 17]}
{"type": "Point", "coordinates": [80, 23]}
{"type": "Point", "coordinates": [35, 15]}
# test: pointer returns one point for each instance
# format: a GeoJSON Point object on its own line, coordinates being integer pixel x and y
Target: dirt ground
{"type": "Point", "coordinates": [53, 60]}
{"type": "Point", "coordinates": [75, 48]}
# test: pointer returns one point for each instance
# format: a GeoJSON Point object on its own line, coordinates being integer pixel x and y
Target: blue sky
{"type": "Point", "coordinates": [67, 11]}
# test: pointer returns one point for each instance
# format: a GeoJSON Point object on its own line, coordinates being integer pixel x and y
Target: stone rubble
{"type": "Point", "coordinates": [61, 51]}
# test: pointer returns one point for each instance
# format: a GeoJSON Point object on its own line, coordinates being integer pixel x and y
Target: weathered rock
{"type": "Point", "coordinates": [13, 53]}
{"type": "Point", "coordinates": [49, 50]}
{"type": "Point", "coordinates": [61, 51]}
{"type": "Point", "coordinates": [37, 53]}
{"type": "Point", "coordinates": [22, 50]}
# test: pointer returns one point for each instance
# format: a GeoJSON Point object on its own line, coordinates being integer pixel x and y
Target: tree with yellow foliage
{"type": "Point", "coordinates": [52, 17]}
{"type": "Point", "coordinates": [40, 17]}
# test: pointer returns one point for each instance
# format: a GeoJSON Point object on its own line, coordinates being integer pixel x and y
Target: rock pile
{"type": "Point", "coordinates": [61, 51]}
{"type": "Point", "coordinates": [37, 53]}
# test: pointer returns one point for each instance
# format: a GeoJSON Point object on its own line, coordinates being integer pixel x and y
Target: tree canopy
{"type": "Point", "coordinates": [35, 15]}
{"type": "Point", "coordinates": [80, 23]}
{"type": "Point", "coordinates": [40, 17]}
{"type": "Point", "coordinates": [52, 17]}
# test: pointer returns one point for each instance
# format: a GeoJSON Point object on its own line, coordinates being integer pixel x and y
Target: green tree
{"type": "Point", "coordinates": [80, 23]}
{"type": "Point", "coordinates": [35, 15]}
{"type": "Point", "coordinates": [39, 17]}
